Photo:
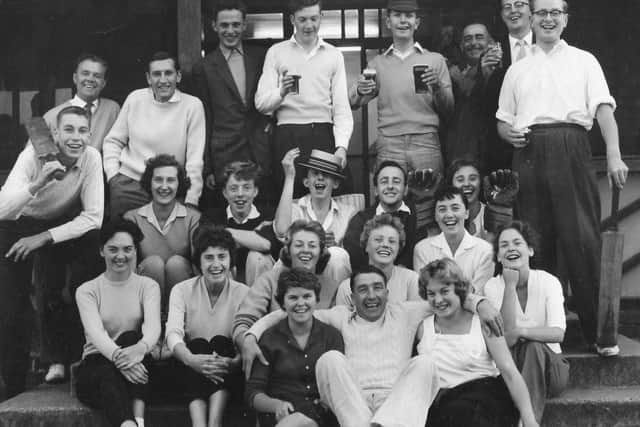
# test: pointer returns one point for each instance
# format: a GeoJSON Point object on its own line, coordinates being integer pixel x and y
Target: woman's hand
{"type": "Point", "coordinates": [137, 374]}
{"type": "Point", "coordinates": [126, 357]}
{"type": "Point", "coordinates": [283, 409]}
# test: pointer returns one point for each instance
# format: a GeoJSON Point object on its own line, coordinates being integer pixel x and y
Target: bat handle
{"type": "Point", "coordinates": [615, 204]}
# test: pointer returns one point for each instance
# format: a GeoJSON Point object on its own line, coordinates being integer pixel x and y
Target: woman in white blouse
{"type": "Point", "coordinates": [531, 303]}
{"type": "Point", "coordinates": [479, 383]}
{"type": "Point", "coordinates": [201, 312]}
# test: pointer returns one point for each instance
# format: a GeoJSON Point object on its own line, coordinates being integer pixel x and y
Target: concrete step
{"type": "Point", "coordinates": [594, 407]}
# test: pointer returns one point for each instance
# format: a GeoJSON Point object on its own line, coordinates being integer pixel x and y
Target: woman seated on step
{"type": "Point", "coordinates": [201, 311]}
{"type": "Point", "coordinates": [167, 225]}
{"type": "Point", "coordinates": [532, 306]}
{"type": "Point", "coordinates": [120, 313]}
{"type": "Point", "coordinates": [479, 382]}
{"type": "Point", "coordinates": [383, 239]}
{"type": "Point", "coordinates": [285, 391]}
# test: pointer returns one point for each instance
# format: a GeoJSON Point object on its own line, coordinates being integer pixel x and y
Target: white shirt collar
{"type": "Point", "coordinates": [403, 208]}
{"type": "Point", "coordinates": [76, 101]}
{"type": "Point", "coordinates": [468, 242]}
{"type": "Point", "coordinates": [528, 39]}
{"type": "Point", "coordinates": [253, 214]}
{"type": "Point", "coordinates": [416, 47]}
{"type": "Point", "coordinates": [320, 44]}
{"type": "Point", "coordinates": [174, 98]}
{"type": "Point", "coordinates": [146, 211]}
{"type": "Point", "coordinates": [559, 46]}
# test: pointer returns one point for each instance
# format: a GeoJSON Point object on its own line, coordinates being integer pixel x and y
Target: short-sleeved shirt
{"type": "Point", "coordinates": [545, 302]}
{"type": "Point", "coordinates": [291, 373]}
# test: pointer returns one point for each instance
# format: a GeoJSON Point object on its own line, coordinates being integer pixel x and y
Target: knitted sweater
{"type": "Point", "coordinates": [146, 128]}
{"type": "Point", "coordinates": [101, 120]}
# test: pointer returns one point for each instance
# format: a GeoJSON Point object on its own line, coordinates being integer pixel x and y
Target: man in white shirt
{"type": "Point", "coordinates": [304, 85]}
{"type": "Point", "coordinates": [53, 217]}
{"type": "Point", "coordinates": [547, 105]}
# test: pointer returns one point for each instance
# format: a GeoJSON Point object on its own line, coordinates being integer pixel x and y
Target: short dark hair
{"type": "Point", "coordinates": [163, 160]}
{"type": "Point", "coordinates": [366, 269]}
{"type": "Point", "coordinates": [389, 164]}
{"type": "Point", "coordinates": [76, 111]}
{"type": "Point", "coordinates": [296, 278]}
{"type": "Point", "coordinates": [449, 192]}
{"type": "Point", "coordinates": [161, 56]}
{"type": "Point", "coordinates": [212, 236]}
{"type": "Point", "coordinates": [120, 225]}
{"type": "Point", "coordinates": [229, 5]}
{"type": "Point", "coordinates": [458, 164]}
{"type": "Point", "coordinates": [447, 271]}
{"type": "Point", "coordinates": [93, 58]}
{"type": "Point", "coordinates": [312, 227]}
{"type": "Point", "coordinates": [527, 232]}
{"type": "Point", "coordinates": [241, 170]}
{"type": "Point", "coordinates": [379, 221]}
{"type": "Point", "coordinates": [296, 5]}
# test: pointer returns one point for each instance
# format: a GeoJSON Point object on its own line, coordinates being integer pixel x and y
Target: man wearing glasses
{"type": "Point", "coordinates": [516, 16]}
{"type": "Point", "coordinates": [547, 104]}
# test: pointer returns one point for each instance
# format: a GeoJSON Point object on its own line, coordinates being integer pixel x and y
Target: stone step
{"type": "Point", "coordinates": [594, 407]}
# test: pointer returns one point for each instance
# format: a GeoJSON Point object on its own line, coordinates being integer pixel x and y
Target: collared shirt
{"type": "Point", "coordinates": [336, 221]}
{"type": "Point", "coordinates": [253, 214]}
{"type": "Point", "coordinates": [515, 49]}
{"type": "Point", "coordinates": [545, 302]}
{"type": "Point", "coordinates": [235, 60]}
{"type": "Point", "coordinates": [80, 193]}
{"type": "Point", "coordinates": [566, 85]}
{"type": "Point", "coordinates": [291, 373]}
{"type": "Point", "coordinates": [404, 55]}
{"type": "Point", "coordinates": [474, 256]}
{"type": "Point", "coordinates": [147, 212]}
{"type": "Point", "coordinates": [323, 87]}
{"type": "Point", "coordinates": [191, 314]}
{"type": "Point", "coordinates": [403, 208]}
{"type": "Point", "coordinates": [77, 102]}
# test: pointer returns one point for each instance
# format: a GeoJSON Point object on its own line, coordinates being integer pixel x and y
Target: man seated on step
{"type": "Point", "coordinates": [376, 381]}
{"type": "Point", "coordinates": [473, 254]}
{"type": "Point", "coordinates": [53, 208]}
{"type": "Point", "coordinates": [323, 176]}
{"type": "Point", "coordinates": [251, 228]}
{"type": "Point", "coordinates": [390, 187]}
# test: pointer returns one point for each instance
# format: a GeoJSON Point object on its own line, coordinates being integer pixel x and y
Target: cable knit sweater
{"type": "Point", "coordinates": [146, 128]}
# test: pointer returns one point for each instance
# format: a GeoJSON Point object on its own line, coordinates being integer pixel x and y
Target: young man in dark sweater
{"type": "Point", "coordinates": [251, 228]}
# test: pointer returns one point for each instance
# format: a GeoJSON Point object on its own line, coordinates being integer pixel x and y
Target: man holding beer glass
{"type": "Point", "coordinates": [414, 90]}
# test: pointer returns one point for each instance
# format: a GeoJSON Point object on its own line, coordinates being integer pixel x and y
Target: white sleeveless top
{"type": "Point", "coordinates": [459, 358]}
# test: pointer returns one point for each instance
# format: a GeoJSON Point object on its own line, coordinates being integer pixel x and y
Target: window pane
{"type": "Point", "coordinates": [331, 27]}
{"type": "Point", "coordinates": [351, 24]}
{"type": "Point", "coordinates": [264, 26]}
{"type": "Point", "coordinates": [371, 22]}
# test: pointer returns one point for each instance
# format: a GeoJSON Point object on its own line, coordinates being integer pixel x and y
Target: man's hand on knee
{"type": "Point", "coordinates": [25, 246]}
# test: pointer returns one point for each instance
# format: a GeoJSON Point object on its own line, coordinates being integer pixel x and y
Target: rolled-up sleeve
{"type": "Point", "coordinates": [597, 88]}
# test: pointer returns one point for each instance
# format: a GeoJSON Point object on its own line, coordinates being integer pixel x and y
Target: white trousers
{"type": "Point", "coordinates": [406, 405]}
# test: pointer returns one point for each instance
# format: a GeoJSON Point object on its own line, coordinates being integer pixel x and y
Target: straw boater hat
{"type": "Point", "coordinates": [324, 162]}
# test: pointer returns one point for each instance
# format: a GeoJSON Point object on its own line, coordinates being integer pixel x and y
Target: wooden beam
{"type": "Point", "coordinates": [189, 33]}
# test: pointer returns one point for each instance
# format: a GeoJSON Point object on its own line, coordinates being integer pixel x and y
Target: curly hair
{"type": "Point", "coordinates": [212, 236]}
{"type": "Point", "coordinates": [160, 161]}
{"type": "Point", "coordinates": [380, 221]}
{"type": "Point", "coordinates": [447, 271]}
{"type": "Point", "coordinates": [296, 278]}
{"type": "Point", "coordinates": [312, 227]}
{"type": "Point", "coordinates": [120, 225]}
{"type": "Point", "coordinates": [527, 232]}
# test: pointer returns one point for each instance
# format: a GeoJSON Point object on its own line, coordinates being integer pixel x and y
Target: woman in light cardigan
{"type": "Point", "coordinates": [120, 313]}
{"type": "Point", "coordinates": [201, 312]}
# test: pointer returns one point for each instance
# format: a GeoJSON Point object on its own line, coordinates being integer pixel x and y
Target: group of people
{"type": "Point", "coordinates": [204, 230]}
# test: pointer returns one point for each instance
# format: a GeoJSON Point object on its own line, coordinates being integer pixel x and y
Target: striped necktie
{"type": "Point", "coordinates": [88, 108]}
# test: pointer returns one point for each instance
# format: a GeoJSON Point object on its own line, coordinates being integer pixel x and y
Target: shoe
{"type": "Point", "coordinates": [55, 374]}
{"type": "Point", "coordinates": [608, 351]}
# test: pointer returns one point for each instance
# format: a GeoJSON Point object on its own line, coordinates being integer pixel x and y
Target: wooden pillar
{"type": "Point", "coordinates": [189, 33]}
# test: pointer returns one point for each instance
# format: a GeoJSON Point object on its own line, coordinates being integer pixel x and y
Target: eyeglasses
{"type": "Point", "coordinates": [543, 13]}
{"type": "Point", "coordinates": [508, 7]}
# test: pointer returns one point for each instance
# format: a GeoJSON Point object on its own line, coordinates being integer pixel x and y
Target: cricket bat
{"type": "Point", "coordinates": [43, 143]}
{"type": "Point", "coordinates": [610, 277]}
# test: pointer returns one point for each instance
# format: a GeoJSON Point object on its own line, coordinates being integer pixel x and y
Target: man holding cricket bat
{"type": "Point", "coordinates": [547, 105]}
{"type": "Point", "coordinates": [54, 195]}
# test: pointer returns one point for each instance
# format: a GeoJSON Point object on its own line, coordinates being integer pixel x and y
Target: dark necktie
{"type": "Point", "coordinates": [87, 107]}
